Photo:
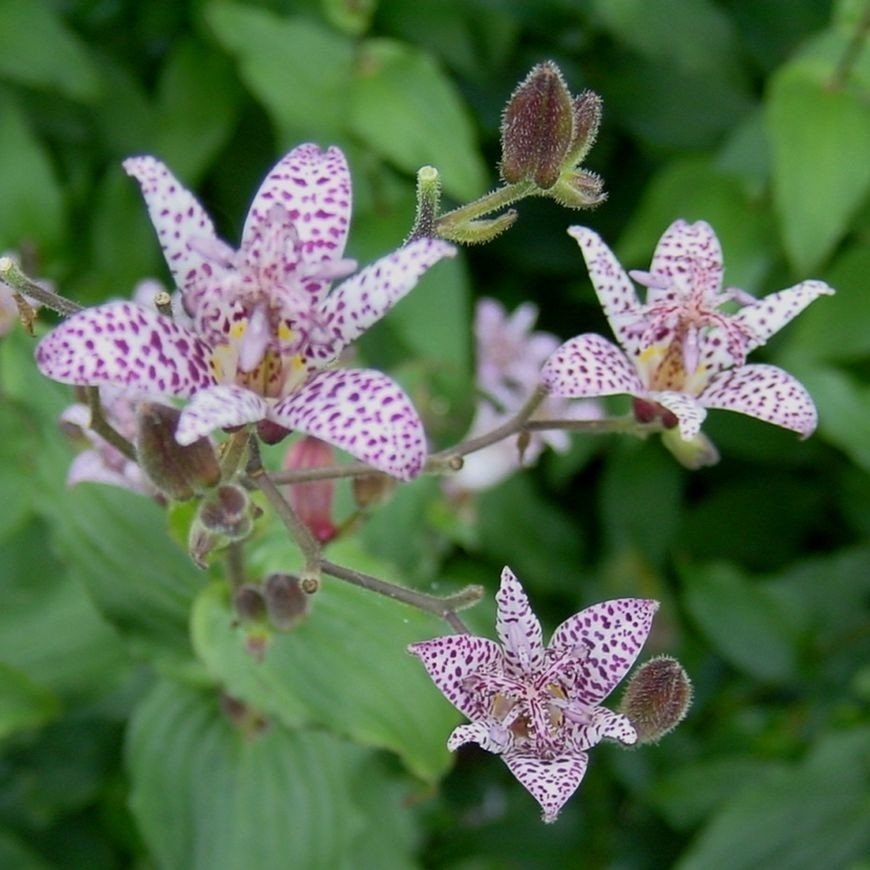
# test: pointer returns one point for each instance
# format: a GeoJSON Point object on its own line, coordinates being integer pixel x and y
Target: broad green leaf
{"type": "Point", "coordinates": [23, 703]}
{"type": "Point", "coordinates": [14, 852]}
{"type": "Point", "coordinates": [741, 621]}
{"type": "Point", "coordinates": [116, 545]}
{"type": "Point", "coordinates": [844, 410]}
{"type": "Point", "coordinates": [33, 211]}
{"type": "Point", "coordinates": [692, 188]}
{"type": "Point", "coordinates": [836, 328]}
{"type": "Point", "coordinates": [197, 104]}
{"type": "Point", "coordinates": [17, 464]}
{"type": "Point", "coordinates": [346, 669]}
{"type": "Point", "coordinates": [350, 16]}
{"type": "Point", "coordinates": [408, 111]}
{"type": "Point", "coordinates": [821, 175]}
{"type": "Point", "coordinates": [299, 70]}
{"type": "Point", "coordinates": [38, 49]}
{"type": "Point", "coordinates": [208, 796]}
{"type": "Point", "coordinates": [812, 816]}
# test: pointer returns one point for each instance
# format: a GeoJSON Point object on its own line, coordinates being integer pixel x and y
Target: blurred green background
{"type": "Point", "coordinates": [118, 747]}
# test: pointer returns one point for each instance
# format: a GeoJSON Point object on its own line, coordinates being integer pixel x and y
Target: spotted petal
{"type": "Point", "coordinates": [90, 466]}
{"type": "Point", "coordinates": [124, 344]}
{"type": "Point", "coordinates": [689, 258]}
{"type": "Point", "coordinates": [451, 660]}
{"type": "Point", "coordinates": [615, 291]}
{"type": "Point", "coordinates": [605, 725]}
{"type": "Point", "coordinates": [589, 365]}
{"type": "Point", "coordinates": [363, 412]}
{"type": "Point", "coordinates": [313, 189]}
{"type": "Point", "coordinates": [184, 229]}
{"type": "Point", "coordinates": [773, 312]}
{"type": "Point", "coordinates": [517, 626]}
{"type": "Point", "coordinates": [488, 734]}
{"type": "Point", "coordinates": [765, 392]}
{"type": "Point", "coordinates": [688, 411]}
{"type": "Point", "coordinates": [613, 633]}
{"type": "Point", "coordinates": [219, 407]}
{"type": "Point", "coordinates": [365, 298]}
{"type": "Point", "coordinates": [550, 783]}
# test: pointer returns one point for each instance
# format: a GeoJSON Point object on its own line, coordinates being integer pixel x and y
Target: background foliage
{"type": "Point", "coordinates": [117, 747]}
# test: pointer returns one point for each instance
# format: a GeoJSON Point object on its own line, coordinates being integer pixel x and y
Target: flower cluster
{"type": "Point", "coordinates": [540, 707]}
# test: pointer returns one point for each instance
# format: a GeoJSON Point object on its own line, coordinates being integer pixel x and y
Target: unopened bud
{"type": "Point", "coordinates": [579, 189]}
{"type": "Point", "coordinates": [225, 515]}
{"type": "Point", "coordinates": [657, 698]}
{"type": "Point", "coordinates": [692, 453]}
{"type": "Point", "coordinates": [587, 118]}
{"type": "Point", "coordinates": [180, 471]}
{"type": "Point", "coordinates": [271, 433]}
{"type": "Point", "coordinates": [249, 604]}
{"type": "Point", "coordinates": [286, 602]}
{"type": "Point", "coordinates": [312, 500]}
{"type": "Point", "coordinates": [371, 490]}
{"type": "Point", "coordinates": [648, 412]}
{"type": "Point", "coordinates": [480, 231]}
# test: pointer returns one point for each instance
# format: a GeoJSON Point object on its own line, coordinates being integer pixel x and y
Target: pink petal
{"type": "Point", "coordinates": [366, 297]}
{"type": "Point", "coordinates": [613, 633]}
{"type": "Point", "coordinates": [690, 256]}
{"type": "Point", "coordinates": [615, 291]}
{"type": "Point", "coordinates": [550, 783]}
{"type": "Point", "coordinates": [765, 392]}
{"type": "Point", "coordinates": [178, 218]}
{"type": "Point", "coordinates": [771, 313]}
{"type": "Point", "coordinates": [219, 407]}
{"type": "Point", "coordinates": [313, 186]}
{"type": "Point", "coordinates": [124, 344]}
{"type": "Point", "coordinates": [589, 365]}
{"type": "Point", "coordinates": [517, 626]}
{"type": "Point", "coordinates": [689, 412]}
{"type": "Point", "coordinates": [363, 412]}
{"type": "Point", "coordinates": [451, 660]}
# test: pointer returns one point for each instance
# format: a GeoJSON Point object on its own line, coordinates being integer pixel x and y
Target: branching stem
{"type": "Point", "coordinates": [104, 428]}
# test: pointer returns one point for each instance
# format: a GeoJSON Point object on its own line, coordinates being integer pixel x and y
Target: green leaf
{"type": "Point", "coordinates": [836, 328]}
{"type": "Point", "coordinates": [741, 620]}
{"type": "Point", "coordinates": [346, 669]}
{"type": "Point", "coordinates": [16, 466]}
{"type": "Point", "coordinates": [116, 544]}
{"type": "Point", "coordinates": [821, 174]}
{"type": "Point", "coordinates": [207, 796]}
{"type": "Point", "coordinates": [352, 17]}
{"type": "Point", "coordinates": [23, 703]}
{"type": "Point", "coordinates": [692, 188]}
{"type": "Point", "coordinates": [14, 852]}
{"type": "Point", "coordinates": [37, 49]}
{"type": "Point", "coordinates": [299, 70]}
{"type": "Point", "coordinates": [197, 106]}
{"type": "Point", "coordinates": [812, 816]}
{"type": "Point", "coordinates": [408, 111]}
{"type": "Point", "coordinates": [32, 208]}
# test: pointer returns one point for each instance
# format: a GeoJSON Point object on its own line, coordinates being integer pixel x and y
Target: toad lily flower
{"type": "Point", "coordinates": [683, 354]}
{"type": "Point", "coordinates": [263, 324]}
{"type": "Point", "coordinates": [539, 708]}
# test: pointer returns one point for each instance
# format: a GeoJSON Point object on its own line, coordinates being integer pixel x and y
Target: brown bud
{"type": "Point", "coordinates": [537, 128]}
{"type": "Point", "coordinates": [249, 604]}
{"type": "Point", "coordinates": [371, 490]}
{"type": "Point", "coordinates": [180, 471]}
{"type": "Point", "coordinates": [286, 602]}
{"type": "Point", "coordinates": [587, 118]}
{"type": "Point", "coordinates": [225, 515]}
{"type": "Point", "coordinates": [657, 698]}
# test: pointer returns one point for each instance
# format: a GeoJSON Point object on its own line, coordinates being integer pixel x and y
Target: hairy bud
{"type": "Point", "coordinates": [657, 698]}
{"type": "Point", "coordinates": [587, 118]}
{"type": "Point", "coordinates": [312, 501]}
{"type": "Point", "coordinates": [225, 515]}
{"type": "Point", "coordinates": [579, 189]}
{"type": "Point", "coordinates": [287, 603]}
{"type": "Point", "coordinates": [249, 604]}
{"type": "Point", "coordinates": [180, 471]}
{"type": "Point", "coordinates": [479, 231]}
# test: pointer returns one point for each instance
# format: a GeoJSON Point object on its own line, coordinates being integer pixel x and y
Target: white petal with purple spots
{"type": "Point", "coordinates": [550, 782]}
{"type": "Point", "coordinates": [365, 298]}
{"type": "Point", "coordinates": [765, 392]}
{"type": "Point", "coordinates": [219, 407]}
{"type": "Point", "coordinates": [124, 344]}
{"type": "Point", "coordinates": [589, 365]}
{"type": "Point", "coordinates": [689, 412]}
{"type": "Point", "coordinates": [517, 626]}
{"type": "Point", "coordinates": [687, 260]}
{"type": "Point", "coordinates": [363, 412]}
{"type": "Point", "coordinates": [613, 633]}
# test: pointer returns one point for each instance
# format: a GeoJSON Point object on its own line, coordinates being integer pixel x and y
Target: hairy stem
{"type": "Point", "coordinates": [104, 429]}
{"type": "Point", "coordinates": [235, 562]}
{"type": "Point", "coordinates": [446, 607]}
{"type": "Point", "coordinates": [490, 202]}
{"type": "Point", "coordinates": [15, 278]}
{"type": "Point", "coordinates": [233, 453]}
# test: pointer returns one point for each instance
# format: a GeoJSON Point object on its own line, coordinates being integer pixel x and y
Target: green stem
{"type": "Point", "coordinates": [610, 425]}
{"type": "Point", "coordinates": [104, 429]}
{"type": "Point", "coordinates": [325, 472]}
{"type": "Point", "coordinates": [234, 453]}
{"type": "Point", "coordinates": [15, 278]}
{"type": "Point", "coordinates": [490, 202]}
{"type": "Point", "coordinates": [445, 607]}
{"type": "Point", "coordinates": [235, 564]}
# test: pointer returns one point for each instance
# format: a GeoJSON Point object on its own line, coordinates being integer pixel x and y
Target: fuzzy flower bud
{"type": "Point", "coordinates": [312, 501]}
{"type": "Point", "coordinates": [180, 471]}
{"type": "Point", "coordinates": [249, 604]}
{"type": "Point", "coordinates": [287, 603]}
{"type": "Point", "coordinates": [225, 515]}
{"type": "Point", "coordinates": [657, 698]}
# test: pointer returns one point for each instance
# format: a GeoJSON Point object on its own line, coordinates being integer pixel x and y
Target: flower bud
{"type": "Point", "coordinates": [579, 189]}
{"type": "Point", "coordinates": [694, 453]}
{"type": "Point", "coordinates": [312, 501]}
{"type": "Point", "coordinates": [180, 471]}
{"type": "Point", "coordinates": [657, 698]}
{"type": "Point", "coordinates": [479, 231]}
{"type": "Point", "coordinates": [271, 433]}
{"type": "Point", "coordinates": [371, 490]}
{"type": "Point", "coordinates": [587, 118]}
{"type": "Point", "coordinates": [249, 604]}
{"type": "Point", "coordinates": [286, 602]}
{"type": "Point", "coordinates": [537, 128]}
{"type": "Point", "coordinates": [225, 515]}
